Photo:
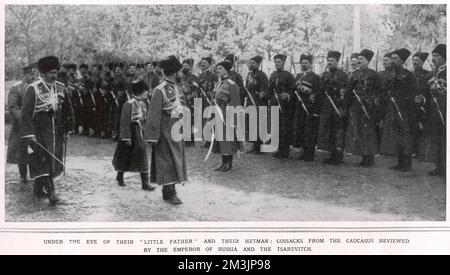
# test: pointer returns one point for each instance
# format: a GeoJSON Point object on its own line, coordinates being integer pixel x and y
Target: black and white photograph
{"type": "Point", "coordinates": [225, 113]}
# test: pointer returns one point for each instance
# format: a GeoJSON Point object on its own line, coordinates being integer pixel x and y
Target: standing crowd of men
{"type": "Point", "coordinates": [393, 112]}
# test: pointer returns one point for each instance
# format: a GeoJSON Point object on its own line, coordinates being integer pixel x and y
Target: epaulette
{"type": "Point", "coordinates": [161, 85]}
{"type": "Point", "coordinates": [231, 81]}
{"type": "Point", "coordinates": [131, 100]}
{"type": "Point", "coordinates": [60, 83]}
{"type": "Point", "coordinates": [35, 83]}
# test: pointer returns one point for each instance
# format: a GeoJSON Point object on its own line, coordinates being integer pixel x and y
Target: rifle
{"type": "Point", "coordinates": [276, 95]}
{"type": "Point", "coordinates": [359, 99]}
{"type": "Point", "coordinates": [301, 103]}
{"type": "Point", "coordinates": [202, 91]}
{"type": "Point", "coordinates": [64, 156]}
{"type": "Point", "coordinates": [438, 108]}
{"type": "Point", "coordinates": [249, 95]}
{"type": "Point", "coordinates": [360, 103]}
{"type": "Point", "coordinates": [395, 105]}
{"type": "Point", "coordinates": [332, 104]}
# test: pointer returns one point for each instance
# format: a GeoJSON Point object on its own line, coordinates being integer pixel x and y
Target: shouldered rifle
{"type": "Point", "coordinates": [114, 98]}
{"type": "Point", "coordinates": [438, 109]}
{"type": "Point", "coordinates": [301, 102]}
{"type": "Point", "coordinates": [276, 94]}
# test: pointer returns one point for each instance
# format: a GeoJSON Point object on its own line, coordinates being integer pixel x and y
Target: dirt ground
{"type": "Point", "coordinates": [259, 188]}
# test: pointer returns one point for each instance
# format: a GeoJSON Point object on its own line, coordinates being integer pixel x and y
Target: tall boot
{"type": "Point", "coordinates": [339, 157]}
{"type": "Point", "coordinates": [119, 179]}
{"type": "Point", "coordinates": [370, 161]}
{"type": "Point", "coordinates": [309, 154]}
{"type": "Point", "coordinates": [407, 162]}
{"type": "Point", "coordinates": [331, 158]}
{"type": "Point", "coordinates": [256, 148]}
{"type": "Point", "coordinates": [165, 192]}
{"type": "Point", "coordinates": [23, 171]}
{"type": "Point", "coordinates": [170, 194]}
{"type": "Point", "coordinates": [439, 170]}
{"type": "Point", "coordinates": [39, 192]}
{"type": "Point", "coordinates": [228, 164]}
{"type": "Point", "coordinates": [145, 184]}
{"type": "Point", "coordinates": [363, 162]}
{"type": "Point", "coordinates": [51, 192]}
{"type": "Point", "coordinates": [221, 165]}
{"type": "Point", "coordinates": [399, 163]}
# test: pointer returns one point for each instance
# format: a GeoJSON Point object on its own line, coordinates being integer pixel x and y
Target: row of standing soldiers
{"type": "Point", "coordinates": [392, 112]}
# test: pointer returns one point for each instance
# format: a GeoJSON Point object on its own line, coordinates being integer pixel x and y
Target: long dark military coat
{"type": "Point", "coordinates": [283, 82]}
{"type": "Point", "coordinates": [257, 83]}
{"type": "Point", "coordinates": [396, 139]}
{"type": "Point", "coordinates": [74, 89]}
{"type": "Point", "coordinates": [332, 128]}
{"type": "Point", "coordinates": [168, 163]}
{"type": "Point", "coordinates": [237, 78]}
{"type": "Point", "coordinates": [17, 149]}
{"type": "Point", "coordinates": [226, 93]}
{"type": "Point", "coordinates": [306, 127]}
{"type": "Point", "coordinates": [423, 123]}
{"type": "Point", "coordinates": [435, 131]}
{"type": "Point", "coordinates": [207, 80]}
{"type": "Point", "coordinates": [132, 158]}
{"type": "Point", "coordinates": [361, 138]}
{"type": "Point", "coordinates": [47, 115]}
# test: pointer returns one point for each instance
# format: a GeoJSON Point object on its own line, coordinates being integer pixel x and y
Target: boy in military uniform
{"type": "Point", "coordinates": [131, 155]}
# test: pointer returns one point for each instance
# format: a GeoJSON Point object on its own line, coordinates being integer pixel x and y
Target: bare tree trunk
{"type": "Point", "coordinates": [356, 28]}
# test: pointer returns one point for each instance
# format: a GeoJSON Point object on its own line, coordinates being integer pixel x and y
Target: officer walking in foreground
{"type": "Point", "coordinates": [47, 118]}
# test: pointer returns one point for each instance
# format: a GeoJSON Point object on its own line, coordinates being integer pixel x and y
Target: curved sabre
{"type": "Point", "coordinates": [211, 145]}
